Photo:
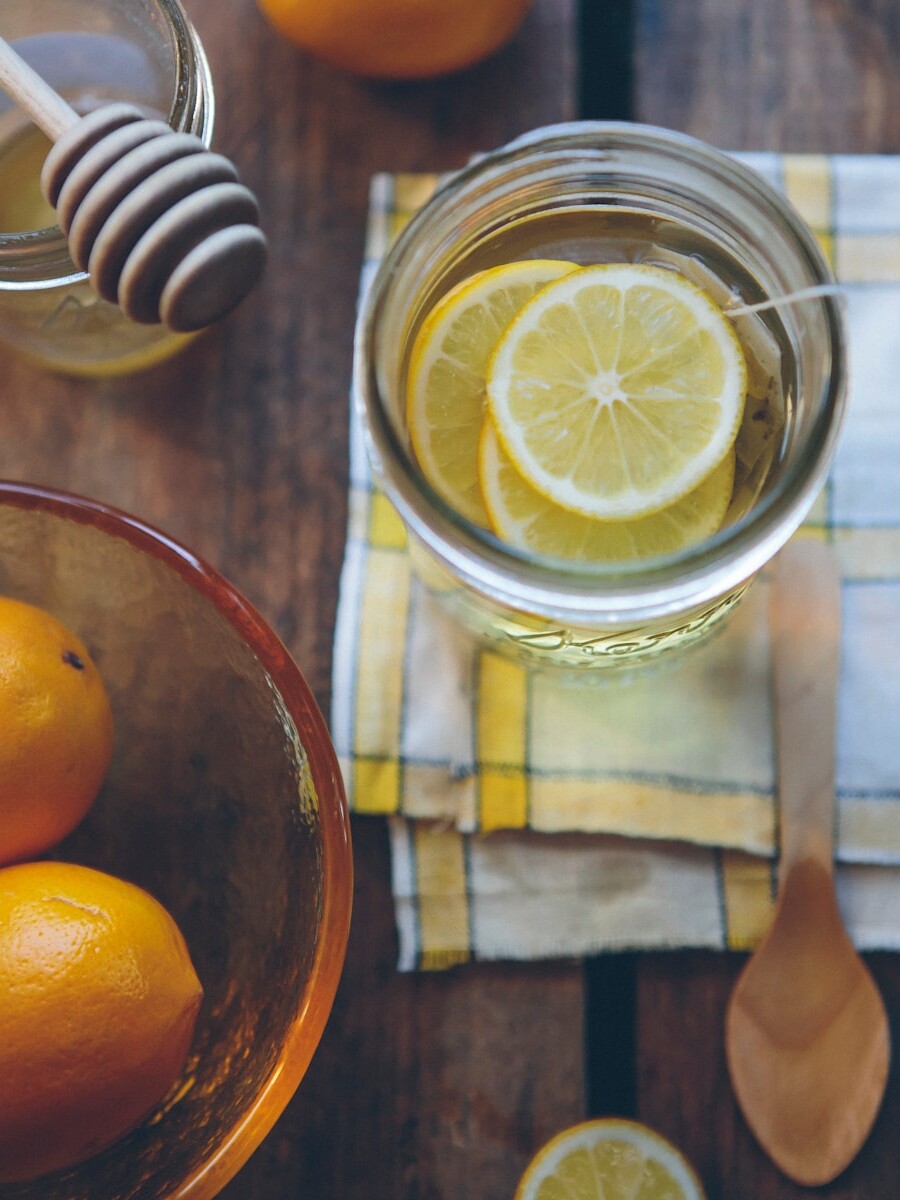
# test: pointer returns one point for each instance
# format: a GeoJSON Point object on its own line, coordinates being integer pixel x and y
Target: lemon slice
{"type": "Point", "coordinates": [618, 389]}
{"type": "Point", "coordinates": [525, 518]}
{"type": "Point", "coordinates": [609, 1160]}
{"type": "Point", "coordinates": [448, 365]}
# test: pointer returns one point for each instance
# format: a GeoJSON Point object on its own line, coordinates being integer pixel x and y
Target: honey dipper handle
{"type": "Point", "coordinates": [33, 94]}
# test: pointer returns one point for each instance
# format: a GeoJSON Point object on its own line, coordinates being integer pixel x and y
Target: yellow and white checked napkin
{"type": "Point", "coordinates": [531, 818]}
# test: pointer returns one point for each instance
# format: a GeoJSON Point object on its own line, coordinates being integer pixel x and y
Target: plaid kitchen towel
{"type": "Point", "coordinates": [532, 817]}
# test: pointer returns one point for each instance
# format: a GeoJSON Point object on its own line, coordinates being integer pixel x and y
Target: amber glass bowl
{"type": "Point", "coordinates": [224, 800]}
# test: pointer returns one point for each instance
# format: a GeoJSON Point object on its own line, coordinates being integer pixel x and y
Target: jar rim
{"type": "Point", "coordinates": [698, 573]}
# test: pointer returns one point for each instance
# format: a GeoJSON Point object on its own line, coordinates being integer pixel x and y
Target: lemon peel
{"type": "Point", "coordinates": [447, 371]}
{"type": "Point", "coordinates": [609, 1159]}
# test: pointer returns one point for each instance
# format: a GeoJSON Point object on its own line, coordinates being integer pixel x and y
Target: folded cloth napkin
{"type": "Point", "coordinates": [534, 818]}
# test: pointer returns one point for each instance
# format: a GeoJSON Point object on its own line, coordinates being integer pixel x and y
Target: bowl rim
{"type": "Point", "coordinates": [225, 1160]}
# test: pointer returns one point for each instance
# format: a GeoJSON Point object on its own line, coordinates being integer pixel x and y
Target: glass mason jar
{"type": "Point", "coordinates": [141, 51]}
{"type": "Point", "coordinates": [559, 192]}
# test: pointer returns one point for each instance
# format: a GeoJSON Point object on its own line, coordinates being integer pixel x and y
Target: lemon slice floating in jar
{"type": "Point", "coordinates": [448, 366]}
{"type": "Point", "coordinates": [609, 1159]}
{"type": "Point", "coordinates": [526, 519]}
{"type": "Point", "coordinates": [618, 389]}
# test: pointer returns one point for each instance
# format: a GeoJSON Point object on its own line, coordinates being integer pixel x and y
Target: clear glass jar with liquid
{"type": "Point", "coordinates": [590, 192]}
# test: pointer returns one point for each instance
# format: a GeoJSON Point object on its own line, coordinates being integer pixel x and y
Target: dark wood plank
{"type": "Point", "coordinates": [805, 75]}
{"type": "Point", "coordinates": [441, 1087]}
{"type": "Point", "coordinates": [606, 75]}
{"type": "Point", "coordinates": [814, 75]}
{"type": "Point", "coordinates": [238, 447]}
{"type": "Point", "coordinates": [424, 1086]}
{"type": "Point", "coordinates": [684, 1090]}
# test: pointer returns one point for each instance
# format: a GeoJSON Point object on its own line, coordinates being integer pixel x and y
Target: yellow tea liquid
{"type": "Point", "coordinates": [22, 206]}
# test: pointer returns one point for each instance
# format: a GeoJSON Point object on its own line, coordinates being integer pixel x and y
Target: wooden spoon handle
{"type": "Point", "coordinates": [805, 614]}
{"type": "Point", "coordinates": [46, 107]}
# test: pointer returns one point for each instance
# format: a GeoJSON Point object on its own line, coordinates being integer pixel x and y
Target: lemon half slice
{"type": "Point", "coordinates": [447, 371]}
{"type": "Point", "coordinates": [525, 518]}
{"type": "Point", "coordinates": [618, 389]}
{"type": "Point", "coordinates": [609, 1159]}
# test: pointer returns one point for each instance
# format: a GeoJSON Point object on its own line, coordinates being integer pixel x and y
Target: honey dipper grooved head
{"type": "Point", "coordinates": [160, 224]}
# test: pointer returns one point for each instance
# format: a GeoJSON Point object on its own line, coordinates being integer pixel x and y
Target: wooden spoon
{"type": "Point", "coordinates": [806, 1035]}
{"type": "Point", "coordinates": [159, 223]}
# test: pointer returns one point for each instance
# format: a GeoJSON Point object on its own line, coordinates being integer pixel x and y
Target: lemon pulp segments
{"type": "Point", "coordinates": [609, 1159]}
{"type": "Point", "coordinates": [526, 519]}
{"type": "Point", "coordinates": [448, 368]}
{"type": "Point", "coordinates": [618, 389]}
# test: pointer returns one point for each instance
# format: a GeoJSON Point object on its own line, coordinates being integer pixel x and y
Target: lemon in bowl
{"type": "Point", "coordinates": [223, 801]}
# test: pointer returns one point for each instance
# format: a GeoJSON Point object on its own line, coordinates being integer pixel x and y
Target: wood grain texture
{"type": "Point", "coordinates": [793, 75]}
{"type": "Point", "coordinates": [684, 1090]}
{"type": "Point", "coordinates": [424, 1087]}
{"type": "Point", "coordinates": [238, 446]}
{"type": "Point", "coordinates": [800, 75]}
{"type": "Point", "coordinates": [438, 1088]}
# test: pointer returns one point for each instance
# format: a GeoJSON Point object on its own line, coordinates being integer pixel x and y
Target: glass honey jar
{"type": "Point", "coordinates": [141, 51]}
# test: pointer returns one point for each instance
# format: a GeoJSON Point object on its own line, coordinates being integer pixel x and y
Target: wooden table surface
{"type": "Point", "coordinates": [441, 1087]}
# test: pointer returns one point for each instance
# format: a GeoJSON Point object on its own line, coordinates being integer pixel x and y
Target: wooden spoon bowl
{"type": "Point", "coordinates": [806, 1037]}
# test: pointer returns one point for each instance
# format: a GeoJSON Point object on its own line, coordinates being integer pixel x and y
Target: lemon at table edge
{"type": "Point", "coordinates": [558, 389]}
{"type": "Point", "coordinates": [586, 1136]}
{"type": "Point", "coordinates": [445, 396]}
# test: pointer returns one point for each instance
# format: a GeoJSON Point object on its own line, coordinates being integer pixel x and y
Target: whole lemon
{"type": "Point", "coordinates": [398, 39]}
{"type": "Point", "coordinates": [98, 1000]}
{"type": "Point", "coordinates": [56, 730]}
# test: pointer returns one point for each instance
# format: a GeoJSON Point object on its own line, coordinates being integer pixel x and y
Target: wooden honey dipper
{"type": "Point", "coordinates": [159, 222]}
